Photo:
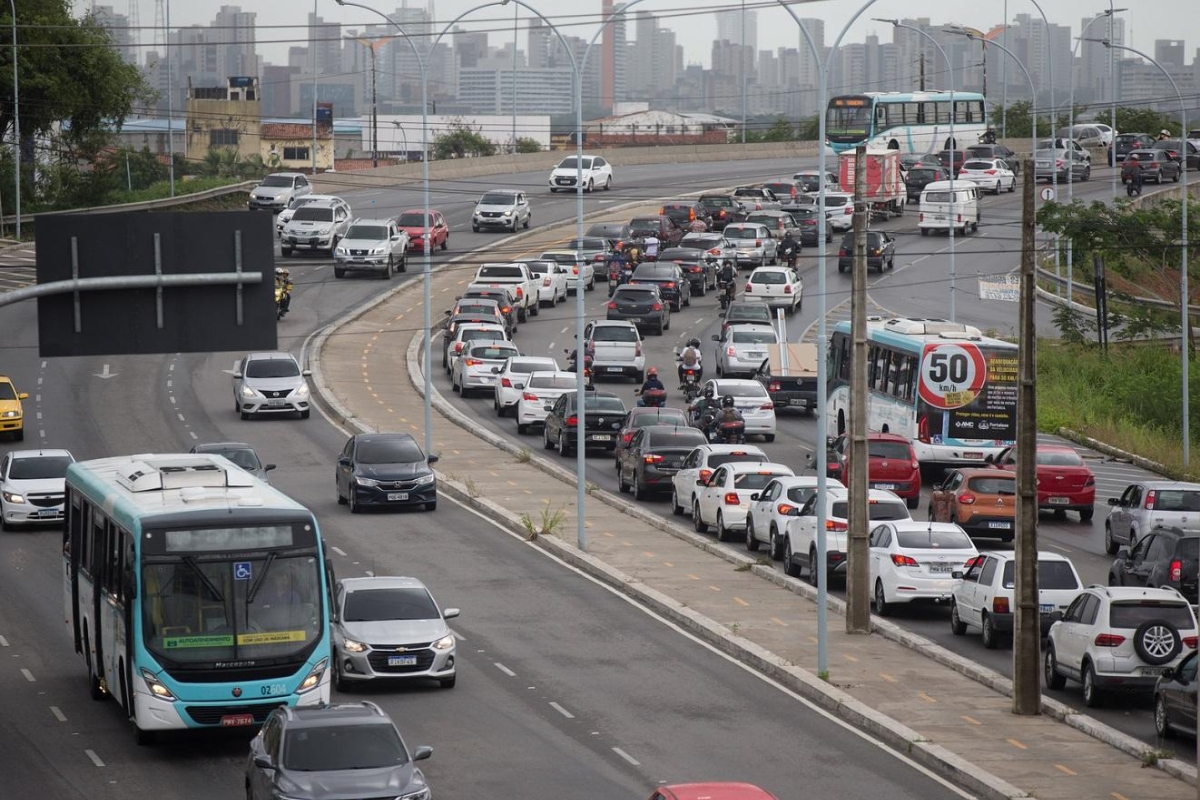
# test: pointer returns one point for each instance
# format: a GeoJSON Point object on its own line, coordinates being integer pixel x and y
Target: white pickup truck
{"type": "Point", "coordinates": [516, 274]}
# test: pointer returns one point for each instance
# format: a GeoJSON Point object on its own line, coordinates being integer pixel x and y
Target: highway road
{"type": "Point", "coordinates": [567, 689]}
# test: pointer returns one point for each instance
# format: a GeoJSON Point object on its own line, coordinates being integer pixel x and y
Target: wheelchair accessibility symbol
{"type": "Point", "coordinates": [242, 571]}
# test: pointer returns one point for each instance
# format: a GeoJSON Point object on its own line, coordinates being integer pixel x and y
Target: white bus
{"type": "Point", "coordinates": [911, 122]}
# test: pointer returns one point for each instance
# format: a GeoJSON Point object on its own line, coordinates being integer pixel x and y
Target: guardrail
{"type": "Point", "coordinates": [1057, 280]}
{"type": "Point", "coordinates": [142, 205]}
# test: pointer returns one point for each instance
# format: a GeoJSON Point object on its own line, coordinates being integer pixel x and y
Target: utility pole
{"type": "Point", "coordinates": [858, 578]}
{"type": "Point", "coordinates": [1027, 634]}
{"type": "Point", "coordinates": [374, 113]}
{"type": "Point", "coordinates": [922, 63]}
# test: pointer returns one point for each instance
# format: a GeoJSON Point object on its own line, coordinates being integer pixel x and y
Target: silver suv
{"type": "Point", "coordinates": [1147, 505]}
{"type": "Point", "coordinates": [318, 225]}
{"type": "Point", "coordinates": [277, 192]}
{"type": "Point", "coordinates": [270, 383]}
{"type": "Point", "coordinates": [501, 208]}
{"type": "Point", "coordinates": [1118, 637]}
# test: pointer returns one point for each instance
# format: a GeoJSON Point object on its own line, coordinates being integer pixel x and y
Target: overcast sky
{"type": "Point", "coordinates": [692, 20]}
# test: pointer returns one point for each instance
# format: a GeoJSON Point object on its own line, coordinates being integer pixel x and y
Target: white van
{"type": "Point", "coordinates": [939, 197]}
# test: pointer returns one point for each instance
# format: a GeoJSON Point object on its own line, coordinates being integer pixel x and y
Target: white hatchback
{"type": "Point", "coordinates": [574, 262]}
{"type": "Point", "coordinates": [781, 287]}
{"type": "Point", "coordinates": [989, 174]}
{"type": "Point", "coordinates": [473, 371]}
{"type": "Point", "coordinates": [596, 171]}
{"type": "Point", "coordinates": [751, 399]}
{"type": "Point", "coordinates": [914, 561]}
{"type": "Point", "coordinates": [724, 499]}
{"type": "Point", "coordinates": [553, 276]}
{"type": "Point", "coordinates": [699, 465]}
{"type": "Point", "coordinates": [771, 509]}
{"type": "Point", "coordinates": [541, 390]}
{"type": "Point", "coordinates": [742, 348]}
{"type": "Point", "coordinates": [984, 599]}
{"type": "Point", "coordinates": [511, 377]}
{"type": "Point", "coordinates": [32, 487]}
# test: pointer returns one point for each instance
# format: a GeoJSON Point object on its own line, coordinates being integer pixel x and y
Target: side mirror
{"type": "Point", "coordinates": [307, 373]}
{"type": "Point", "coordinates": [701, 482]}
{"type": "Point", "coordinates": [264, 762]}
{"type": "Point", "coordinates": [433, 459]}
{"type": "Point", "coordinates": [989, 459]}
{"type": "Point", "coordinates": [808, 461]}
{"type": "Point", "coordinates": [423, 752]}
{"type": "Point", "coordinates": [1123, 554]}
{"type": "Point", "coordinates": [495, 370]}
{"type": "Point", "coordinates": [957, 574]}
{"type": "Point", "coordinates": [450, 613]}
{"type": "Point", "coordinates": [237, 376]}
{"type": "Point", "coordinates": [268, 467]}
{"type": "Point", "coordinates": [754, 496]}
{"type": "Point", "coordinates": [447, 312]}
{"type": "Point", "coordinates": [1114, 501]}
{"type": "Point", "coordinates": [1168, 674]}
{"type": "Point", "coordinates": [23, 396]}
{"type": "Point", "coordinates": [1055, 616]}
{"type": "Point", "coordinates": [343, 461]}
{"type": "Point", "coordinates": [547, 408]}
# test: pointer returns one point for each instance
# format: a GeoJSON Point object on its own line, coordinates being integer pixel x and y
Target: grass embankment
{"type": "Point", "coordinates": [162, 189]}
{"type": "Point", "coordinates": [1130, 398]}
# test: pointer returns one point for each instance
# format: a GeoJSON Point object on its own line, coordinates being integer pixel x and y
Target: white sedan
{"type": "Point", "coordinates": [472, 370]}
{"type": "Point", "coordinates": [553, 276]}
{"type": "Point", "coordinates": [541, 390]}
{"type": "Point", "coordinates": [574, 262]}
{"type": "Point", "coordinates": [724, 500]}
{"type": "Point", "coordinates": [781, 287]}
{"type": "Point", "coordinates": [917, 561]}
{"type": "Point", "coordinates": [751, 399]}
{"type": "Point", "coordinates": [989, 174]}
{"type": "Point", "coordinates": [771, 509]}
{"type": "Point", "coordinates": [699, 466]}
{"type": "Point", "coordinates": [511, 377]}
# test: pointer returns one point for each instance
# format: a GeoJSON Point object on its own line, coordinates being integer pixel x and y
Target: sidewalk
{"type": "Point", "coordinates": [940, 709]}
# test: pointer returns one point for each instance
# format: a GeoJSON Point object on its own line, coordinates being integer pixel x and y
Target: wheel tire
{"type": "Point", "coordinates": [608, 183]}
{"type": "Point", "coordinates": [1050, 674]}
{"type": "Point", "coordinates": [957, 626]}
{"type": "Point", "coordinates": [475, 228]}
{"type": "Point", "coordinates": [431, 505]}
{"type": "Point", "coordinates": [881, 605]}
{"type": "Point", "coordinates": [525, 224]}
{"type": "Point", "coordinates": [446, 243]}
{"type": "Point", "coordinates": [814, 569]}
{"type": "Point", "coordinates": [1093, 696]}
{"type": "Point", "coordinates": [563, 450]}
{"type": "Point", "coordinates": [355, 508]}
{"type": "Point", "coordinates": [622, 486]}
{"type": "Point", "coordinates": [723, 533]}
{"type": "Point", "coordinates": [639, 493]}
{"type": "Point", "coordinates": [775, 545]}
{"type": "Point", "coordinates": [1161, 727]}
{"type": "Point", "coordinates": [338, 272]}
{"type": "Point", "coordinates": [768, 437]}
{"type": "Point", "coordinates": [448, 683]}
{"type": "Point", "coordinates": [751, 542]}
{"type": "Point", "coordinates": [546, 440]}
{"type": "Point", "coordinates": [305, 414]}
{"type": "Point", "coordinates": [1151, 640]}
{"type": "Point", "coordinates": [245, 415]}
{"type": "Point", "coordinates": [1086, 515]}
{"type": "Point", "coordinates": [1110, 546]}
{"type": "Point", "coordinates": [522, 428]}
{"type": "Point", "coordinates": [990, 637]}
{"type": "Point", "coordinates": [339, 682]}
{"type": "Point", "coordinates": [286, 252]}
{"type": "Point", "coordinates": [591, 186]}
{"type": "Point", "coordinates": [387, 270]}
{"type": "Point", "coordinates": [95, 688]}
{"type": "Point", "coordinates": [700, 525]}
{"type": "Point", "coordinates": [676, 509]}
{"type": "Point", "coordinates": [341, 501]}
{"type": "Point", "coordinates": [790, 567]}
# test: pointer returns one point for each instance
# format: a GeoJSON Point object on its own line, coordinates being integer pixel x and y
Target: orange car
{"type": "Point", "coordinates": [983, 502]}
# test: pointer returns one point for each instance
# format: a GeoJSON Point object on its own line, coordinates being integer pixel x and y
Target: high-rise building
{"type": "Point", "coordinates": [236, 52]}
{"type": "Point", "coordinates": [117, 27]}
{"type": "Point", "coordinates": [1093, 82]}
{"type": "Point", "coordinates": [808, 69]}
{"type": "Point", "coordinates": [739, 26]}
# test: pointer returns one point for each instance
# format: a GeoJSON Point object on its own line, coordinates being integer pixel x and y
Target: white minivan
{"type": "Point", "coordinates": [942, 201]}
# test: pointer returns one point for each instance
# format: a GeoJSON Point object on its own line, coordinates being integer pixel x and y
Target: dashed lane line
{"type": "Point", "coordinates": [95, 758]}
{"type": "Point", "coordinates": [633, 761]}
{"type": "Point", "coordinates": [561, 710]}
{"type": "Point", "coordinates": [505, 669]}
{"type": "Point", "coordinates": [28, 675]}
{"type": "Point", "coordinates": [58, 714]}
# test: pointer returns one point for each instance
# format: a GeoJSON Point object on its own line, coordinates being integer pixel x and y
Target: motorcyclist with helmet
{"type": "Point", "coordinates": [283, 290]}
{"type": "Point", "coordinates": [789, 249]}
{"type": "Point", "coordinates": [728, 415]}
{"type": "Point", "coordinates": [726, 279]}
{"type": "Point", "coordinates": [653, 392]}
{"type": "Point", "coordinates": [690, 358]}
{"type": "Point", "coordinates": [705, 406]}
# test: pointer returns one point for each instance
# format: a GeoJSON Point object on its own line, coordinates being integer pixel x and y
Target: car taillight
{"type": "Point", "coordinates": [843, 252]}
{"type": "Point", "coordinates": [923, 428]}
{"type": "Point", "coordinates": [656, 307]}
{"type": "Point", "coordinates": [1175, 571]}
{"type": "Point", "coordinates": [901, 560]}
{"type": "Point", "coordinates": [458, 347]}
{"type": "Point", "coordinates": [571, 421]}
{"type": "Point", "coordinates": [670, 284]}
{"type": "Point", "coordinates": [773, 387]}
{"type": "Point", "coordinates": [1150, 496]}
{"type": "Point", "coordinates": [652, 459]}
{"type": "Point", "coordinates": [716, 251]}
{"type": "Point", "coordinates": [758, 206]}
{"type": "Point", "coordinates": [721, 213]}
{"type": "Point", "coordinates": [471, 362]}
{"type": "Point", "coordinates": [1058, 162]}
{"type": "Point", "coordinates": [921, 217]}
{"type": "Point", "coordinates": [637, 348]}
{"type": "Point", "coordinates": [1190, 642]}
{"type": "Point", "coordinates": [1090, 480]}
{"type": "Point", "coordinates": [787, 288]}
{"type": "Point", "coordinates": [749, 286]}
{"type": "Point", "coordinates": [731, 499]}
{"type": "Point", "coordinates": [848, 210]}
{"type": "Point", "coordinates": [966, 499]}
{"type": "Point", "coordinates": [785, 508]}
{"type": "Point", "coordinates": [758, 242]}
{"type": "Point", "coordinates": [627, 437]}
{"type": "Point", "coordinates": [520, 292]}
{"type": "Point", "coordinates": [1109, 640]}
{"type": "Point", "coordinates": [612, 304]}
{"type": "Point", "coordinates": [766, 407]}
{"type": "Point", "coordinates": [574, 270]}
{"type": "Point", "coordinates": [506, 310]}
{"type": "Point", "coordinates": [999, 605]}
{"type": "Point", "coordinates": [529, 397]}
{"type": "Point", "coordinates": [729, 351]}
{"type": "Point", "coordinates": [506, 383]}
{"type": "Point", "coordinates": [834, 525]}
{"type": "Point", "coordinates": [705, 474]}
{"type": "Point", "coordinates": [916, 465]}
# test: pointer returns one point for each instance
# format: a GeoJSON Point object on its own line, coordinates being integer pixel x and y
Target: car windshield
{"type": "Point", "coordinates": [410, 220]}
{"type": "Point", "coordinates": [1132, 614]}
{"type": "Point", "coordinates": [931, 539]}
{"type": "Point", "coordinates": [497, 199]}
{"type": "Point", "coordinates": [524, 367]}
{"type": "Point", "coordinates": [978, 165]}
{"type": "Point", "coordinates": [676, 437]}
{"type": "Point", "coordinates": [753, 480]}
{"type": "Point", "coordinates": [1177, 500]}
{"type": "Point", "coordinates": [389, 451]}
{"type": "Point", "coordinates": [272, 368]}
{"type": "Point", "coordinates": [313, 213]}
{"type": "Point", "coordinates": [700, 241]}
{"type": "Point", "coordinates": [500, 271]}
{"type": "Point", "coordinates": [553, 381]}
{"type": "Point", "coordinates": [607, 405]}
{"type": "Point", "coordinates": [38, 467]}
{"type": "Point", "coordinates": [717, 459]}
{"type": "Point", "coordinates": [244, 457]}
{"type": "Point", "coordinates": [614, 333]}
{"type": "Point", "coordinates": [493, 352]}
{"type": "Point", "coordinates": [753, 337]}
{"type": "Point", "coordinates": [1189, 549]}
{"type": "Point", "coordinates": [896, 451]}
{"type": "Point", "coordinates": [276, 180]}
{"type": "Point", "coordinates": [374, 605]}
{"type": "Point", "coordinates": [1004, 486]}
{"type": "Point", "coordinates": [769, 276]}
{"type": "Point", "coordinates": [634, 296]}
{"type": "Point", "coordinates": [836, 200]}
{"type": "Point", "coordinates": [570, 163]}
{"type": "Point", "coordinates": [561, 258]}
{"type": "Point", "coordinates": [717, 202]}
{"type": "Point", "coordinates": [334, 748]}
{"type": "Point", "coordinates": [877, 509]}
{"type": "Point", "coordinates": [372, 233]}
{"type": "Point", "coordinates": [1046, 154]}
{"type": "Point", "coordinates": [6, 391]}
{"type": "Point", "coordinates": [1052, 574]}
{"type": "Point", "coordinates": [781, 188]}
{"type": "Point", "coordinates": [749, 389]}
{"type": "Point", "coordinates": [651, 272]}
{"type": "Point", "coordinates": [748, 192]}
{"type": "Point", "coordinates": [481, 333]}
{"type": "Point", "coordinates": [749, 312]}
{"type": "Point", "coordinates": [681, 253]}
{"type": "Point", "coordinates": [607, 231]}
{"type": "Point", "coordinates": [936, 197]}
{"type": "Point", "coordinates": [922, 174]}
{"type": "Point", "coordinates": [644, 418]}
{"type": "Point", "coordinates": [743, 233]}
{"type": "Point", "coordinates": [475, 309]}
{"type": "Point", "coordinates": [644, 223]}
{"type": "Point", "coordinates": [1059, 458]}
{"type": "Point", "coordinates": [587, 243]}
{"type": "Point", "coordinates": [539, 267]}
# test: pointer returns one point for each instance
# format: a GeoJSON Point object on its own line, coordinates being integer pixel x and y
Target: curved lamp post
{"type": "Point", "coordinates": [17, 121]}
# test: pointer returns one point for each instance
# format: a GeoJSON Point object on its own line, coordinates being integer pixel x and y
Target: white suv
{"type": "Point", "coordinates": [1118, 637]}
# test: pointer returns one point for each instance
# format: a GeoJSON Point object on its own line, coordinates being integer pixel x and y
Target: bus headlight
{"type": "Point", "coordinates": [313, 679]}
{"type": "Point", "coordinates": [156, 686]}
{"type": "Point", "coordinates": [444, 643]}
{"type": "Point", "coordinates": [353, 646]}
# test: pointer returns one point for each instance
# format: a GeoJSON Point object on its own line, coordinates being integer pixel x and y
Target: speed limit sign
{"type": "Point", "coordinates": [952, 375]}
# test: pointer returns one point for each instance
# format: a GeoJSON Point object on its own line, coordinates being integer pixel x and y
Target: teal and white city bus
{"type": "Point", "coordinates": [947, 388]}
{"type": "Point", "coordinates": [196, 593]}
{"type": "Point", "coordinates": [911, 122]}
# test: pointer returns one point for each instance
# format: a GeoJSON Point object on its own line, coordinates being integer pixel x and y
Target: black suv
{"type": "Point", "coordinates": [921, 176]}
{"type": "Point", "coordinates": [333, 751]}
{"type": "Point", "coordinates": [675, 288]}
{"type": "Point", "coordinates": [723, 209]}
{"type": "Point", "coordinates": [385, 469]}
{"type": "Point", "coordinates": [995, 151]}
{"type": "Point", "coordinates": [1165, 557]}
{"type": "Point", "coordinates": [881, 251]}
{"type": "Point", "coordinates": [699, 269]}
{"type": "Point", "coordinates": [604, 415]}
{"type": "Point", "coordinates": [685, 212]}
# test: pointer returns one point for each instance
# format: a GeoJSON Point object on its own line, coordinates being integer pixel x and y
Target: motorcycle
{"type": "Point", "coordinates": [728, 293]}
{"type": "Point", "coordinates": [789, 254]}
{"type": "Point", "coordinates": [652, 398]}
{"type": "Point", "coordinates": [731, 432]}
{"type": "Point", "coordinates": [282, 299]}
{"type": "Point", "coordinates": [690, 384]}
{"type": "Point", "coordinates": [572, 361]}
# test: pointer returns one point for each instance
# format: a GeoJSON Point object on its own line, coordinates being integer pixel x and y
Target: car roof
{"type": "Point", "coordinates": [1010, 555]}
{"type": "Point", "coordinates": [555, 373]}
{"type": "Point", "coordinates": [724, 449]}
{"type": "Point", "coordinates": [329, 200]}
{"type": "Point", "coordinates": [717, 791]}
{"type": "Point", "coordinates": [536, 360]}
{"type": "Point", "coordinates": [924, 525]}
{"type": "Point", "coordinates": [384, 437]}
{"type": "Point", "coordinates": [382, 582]}
{"type": "Point", "coordinates": [769, 268]}
{"type": "Point", "coordinates": [358, 221]}
{"type": "Point", "coordinates": [872, 494]}
{"type": "Point", "coordinates": [983, 472]}
{"type": "Point", "coordinates": [886, 437]}
{"type": "Point", "coordinates": [735, 382]}
{"type": "Point", "coordinates": [760, 327]}
{"type": "Point", "coordinates": [271, 355]}
{"type": "Point", "coordinates": [613, 323]}
{"type": "Point", "coordinates": [15, 454]}
{"type": "Point", "coordinates": [1119, 593]}
{"type": "Point", "coordinates": [757, 466]}
{"type": "Point", "coordinates": [1156, 485]}
{"type": "Point", "coordinates": [205, 447]}
{"type": "Point", "coordinates": [365, 713]}
{"type": "Point", "coordinates": [287, 174]}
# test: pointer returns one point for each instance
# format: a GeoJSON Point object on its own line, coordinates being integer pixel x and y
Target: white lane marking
{"type": "Point", "coordinates": [370, 573]}
{"type": "Point", "coordinates": [39, 415]}
{"type": "Point", "coordinates": [180, 417]}
{"type": "Point", "coordinates": [551, 347]}
{"type": "Point", "coordinates": [561, 710]}
{"type": "Point", "coordinates": [172, 399]}
{"type": "Point", "coordinates": [95, 758]}
{"type": "Point", "coordinates": [627, 757]}
{"type": "Point", "coordinates": [3, 642]}
{"type": "Point", "coordinates": [505, 670]}
{"type": "Point", "coordinates": [338, 550]}
{"type": "Point", "coordinates": [169, 384]}
{"type": "Point", "coordinates": [1060, 547]}
{"type": "Point", "coordinates": [58, 715]}
{"type": "Point", "coordinates": [193, 434]}
{"type": "Point", "coordinates": [919, 260]}
{"type": "Point", "coordinates": [564, 330]}
{"type": "Point", "coordinates": [28, 675]}
{"type": "Point", "coordinates": [43, 365]}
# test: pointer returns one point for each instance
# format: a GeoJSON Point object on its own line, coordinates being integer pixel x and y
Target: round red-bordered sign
{"type": "Point", "coordinates": [952, 375]}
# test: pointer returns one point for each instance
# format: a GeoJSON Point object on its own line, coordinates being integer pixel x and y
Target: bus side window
{"type": "Point", "coordinates": [881, 116]}
{"type": "Point", "coordinates": [96, 547]}
{"type": "Point", "coordinates": [921, 109]}
{"type": "Point", "coordinates": [128, 567]}
{"type": "Point", "coordinates": [909, 374]}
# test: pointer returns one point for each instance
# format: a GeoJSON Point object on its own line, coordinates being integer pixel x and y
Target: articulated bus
{"type": "Point", "coordinates": [911, 122]}
{"type": "Point", "coordinates": [197, 594]}
{"type": "Point", "coordinates": [947, 388]}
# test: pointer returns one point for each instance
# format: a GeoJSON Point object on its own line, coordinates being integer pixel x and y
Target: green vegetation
{"type": "Point", "coordinates": [528, 145]}
{"type": "Point", "coordinates": [461, 142]}
{"type": "Point", "coordinates": [781, 129]}
{"type": "Point", "coordinates": [1019, 124]}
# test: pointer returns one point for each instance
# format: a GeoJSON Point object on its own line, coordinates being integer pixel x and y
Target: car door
{"type": "Point", "coordinates": [879, 542]}
{"type": "Point", "coordinates": [627, 470]}
{"type": "Point", "coordinates": [1159, 549]}
{"type": "Point", "coordinates": [685, 480]}
{"type": "Point", "coordinates": [710, 495]}
{"type": "Point", "coordinates": [965, 593]}
{"type": "Point", "coordinates": [985, 588]}
{"type": "Point", "coordinates": [1124, 527]}
{"type": "Point", "coordinates": [1182, 695]}
{"type": "Point", "coordinates": [802, 528]}
{"type": "Point", "coordinates": [939, 495]}
{"type": "Point", "coordinates": [1070, 635]}
{"type": "Point", "coordinates": [345, 469]}
{"type": "Point", "coordinates": [554, 419]}
{"type": "Point", "coordinates": [1133, 570]}
{"type": "Point", "coordinates": [762, 508]}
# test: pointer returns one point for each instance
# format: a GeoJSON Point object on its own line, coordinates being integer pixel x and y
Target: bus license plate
{"type": "Point", "coordinates": [972, 455]}
{"type": "Point", "coordinates": [1060, 501]}
{"type": "Point", "coordinates": [397, 495]}
{"type": "Point", "coordinates": [236, 720]}
{"type": "Point", "coordinates": [402, 661]}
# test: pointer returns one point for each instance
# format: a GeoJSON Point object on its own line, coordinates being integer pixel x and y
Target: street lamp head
{"type": "Point", "coordinates": [892, 22]}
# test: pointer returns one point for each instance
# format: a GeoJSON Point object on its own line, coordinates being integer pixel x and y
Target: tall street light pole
{"type": "Point", "coordinates": [742, 64]}
{"type": "Point", "coordinates": [1184, 329]}
{"type": "Point", "coordinates": [170, 103]}
{"type": "Point", "coordinates": [314, 88]}
{"type": "Point", "coordinates": [971, 35]}
{"type": "Point", "coordinates": [17, 120]}
{"type": "Point", "coordinates": [1004, 79]}
{"type": "Point", "coordinates": [1069, 156]}
{"type": "Point", "coordinates": [953, 142]}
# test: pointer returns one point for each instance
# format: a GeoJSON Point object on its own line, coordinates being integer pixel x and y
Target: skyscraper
{"type": "Point", "coordinates": [729, 27]}
{"type": "Point", "coordinates": [236, 53]}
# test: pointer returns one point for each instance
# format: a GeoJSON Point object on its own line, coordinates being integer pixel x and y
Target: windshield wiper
{"type": "Point", "coordinates": [259, 581]}
{"type": "Point", "coordinates": [191, 562]}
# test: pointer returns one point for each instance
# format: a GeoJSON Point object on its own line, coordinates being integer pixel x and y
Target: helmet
{"type": "Point", "coordinates": [693, 342]}
{"type": "Point", "coordinates": [652, 372]}
{"type": "Point", "coordinates": [727, 401]}
{"type": "Point", "coordinates": [1164, 132]}
{"type": "Point", "coordinates": [282, 272]}
{"type": "Point", "coordinates": [279, 270]}
{"type": "Point", "coordinates": [708, 391]}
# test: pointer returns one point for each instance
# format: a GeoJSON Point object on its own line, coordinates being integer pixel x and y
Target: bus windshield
{"type": "Point", "coordinates": [849, 117]}
{"type": "Point", "coordinates": [203, 608]}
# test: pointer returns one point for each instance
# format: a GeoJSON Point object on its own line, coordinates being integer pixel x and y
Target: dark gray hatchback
{"type": "Point", "coordinates": [333, 751]}
{"type": "Point", "coordinates": [641, 305]}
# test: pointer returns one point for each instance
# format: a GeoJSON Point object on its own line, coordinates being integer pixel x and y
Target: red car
{"type": "Point", "coordinates": [891, 465]}
{"type": "Point", "coordinates": [1064, 482]}
{"type": "Point", "coordinates": [711, 791]}
{"type": "Point", "coordinates": [439, 232]}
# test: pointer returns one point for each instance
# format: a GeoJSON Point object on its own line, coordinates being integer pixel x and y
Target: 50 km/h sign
{"type": "Point", "coordinates": [952, 375]}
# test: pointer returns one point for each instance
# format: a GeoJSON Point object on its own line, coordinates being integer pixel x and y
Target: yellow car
{"type": "Point", "coordinates": [12, 417]}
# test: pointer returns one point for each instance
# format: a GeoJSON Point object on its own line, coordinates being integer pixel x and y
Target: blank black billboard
{"type": "Point", "coordinates": [125, 321]}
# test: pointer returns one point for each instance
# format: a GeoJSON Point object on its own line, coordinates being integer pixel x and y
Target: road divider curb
{"type": "Point", "coordinates": [1115, 452]}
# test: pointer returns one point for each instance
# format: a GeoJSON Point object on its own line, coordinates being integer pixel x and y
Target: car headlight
{"type": "Point", "coordinates": [444, 643]}
{"type": "Point", "coordinates": [508, 213]}
{"type": "Point", "coordinates": [13, 498]}
{"type": "Point", "coordinates": [353, 646]}
{"type": "Point", "coordinates": [248, 392]}
{"type": "Point", "coordinates": [341, 251]}
{"type": "Point", "coordinates": [366, 482]}
{"type": "Point", "coordinates": [156, 686]}
{"type": "Point", "coordinates": [418, 790]}
{"type": "Point", "coordinates": [425, 480]}
{"type": "Point", "coordinates": [301, 390]}
{"type": "Point", "coordinates": [377, 251]}
{"type": "Point", "coordinates": [8, 414]}
{"type": "Point", "coordinates": [313, 679]}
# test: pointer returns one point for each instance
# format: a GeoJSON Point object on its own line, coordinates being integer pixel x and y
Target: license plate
{"type": "Point", "coordinates": [613, 369]}
{"type": "Point", "coordinates": [236, 720]}
{"type": "Point", "coordinates": [601, 437]}
{"type": "Point", "coordinates": [797, 402]}
{"type": "Point", "coordinates": [941, 567]}
{"type": "Point", "coordinates": [358, 259]}
{"type": "Point", "coordinates": [397, 495]}
{"type": "Point", "coordinates": [402, 661]}
{"type": "Point", "coordinates": [487, 378]}
{"type": "Point", "coordinates": [1003, 526]}
{"type": "Point", "coordinates": [1060, 501]}
{"type": "Point", "coordinates": [1046, 608]}
{"type": "Point", "coordinates": [755, 354]}
{"type": "Point", "coordinates": [972, 455]}
{"type": "Point", "coordinates": [312, 242]}
{"type": "Point", "coordinates": [48, 512]}
{"type": "Point", "coordinates": [888, 486]}
{"type": "Point", "coordinates": [276, 401]}
{"type": "Point", "coordinates": [1153, 670]}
